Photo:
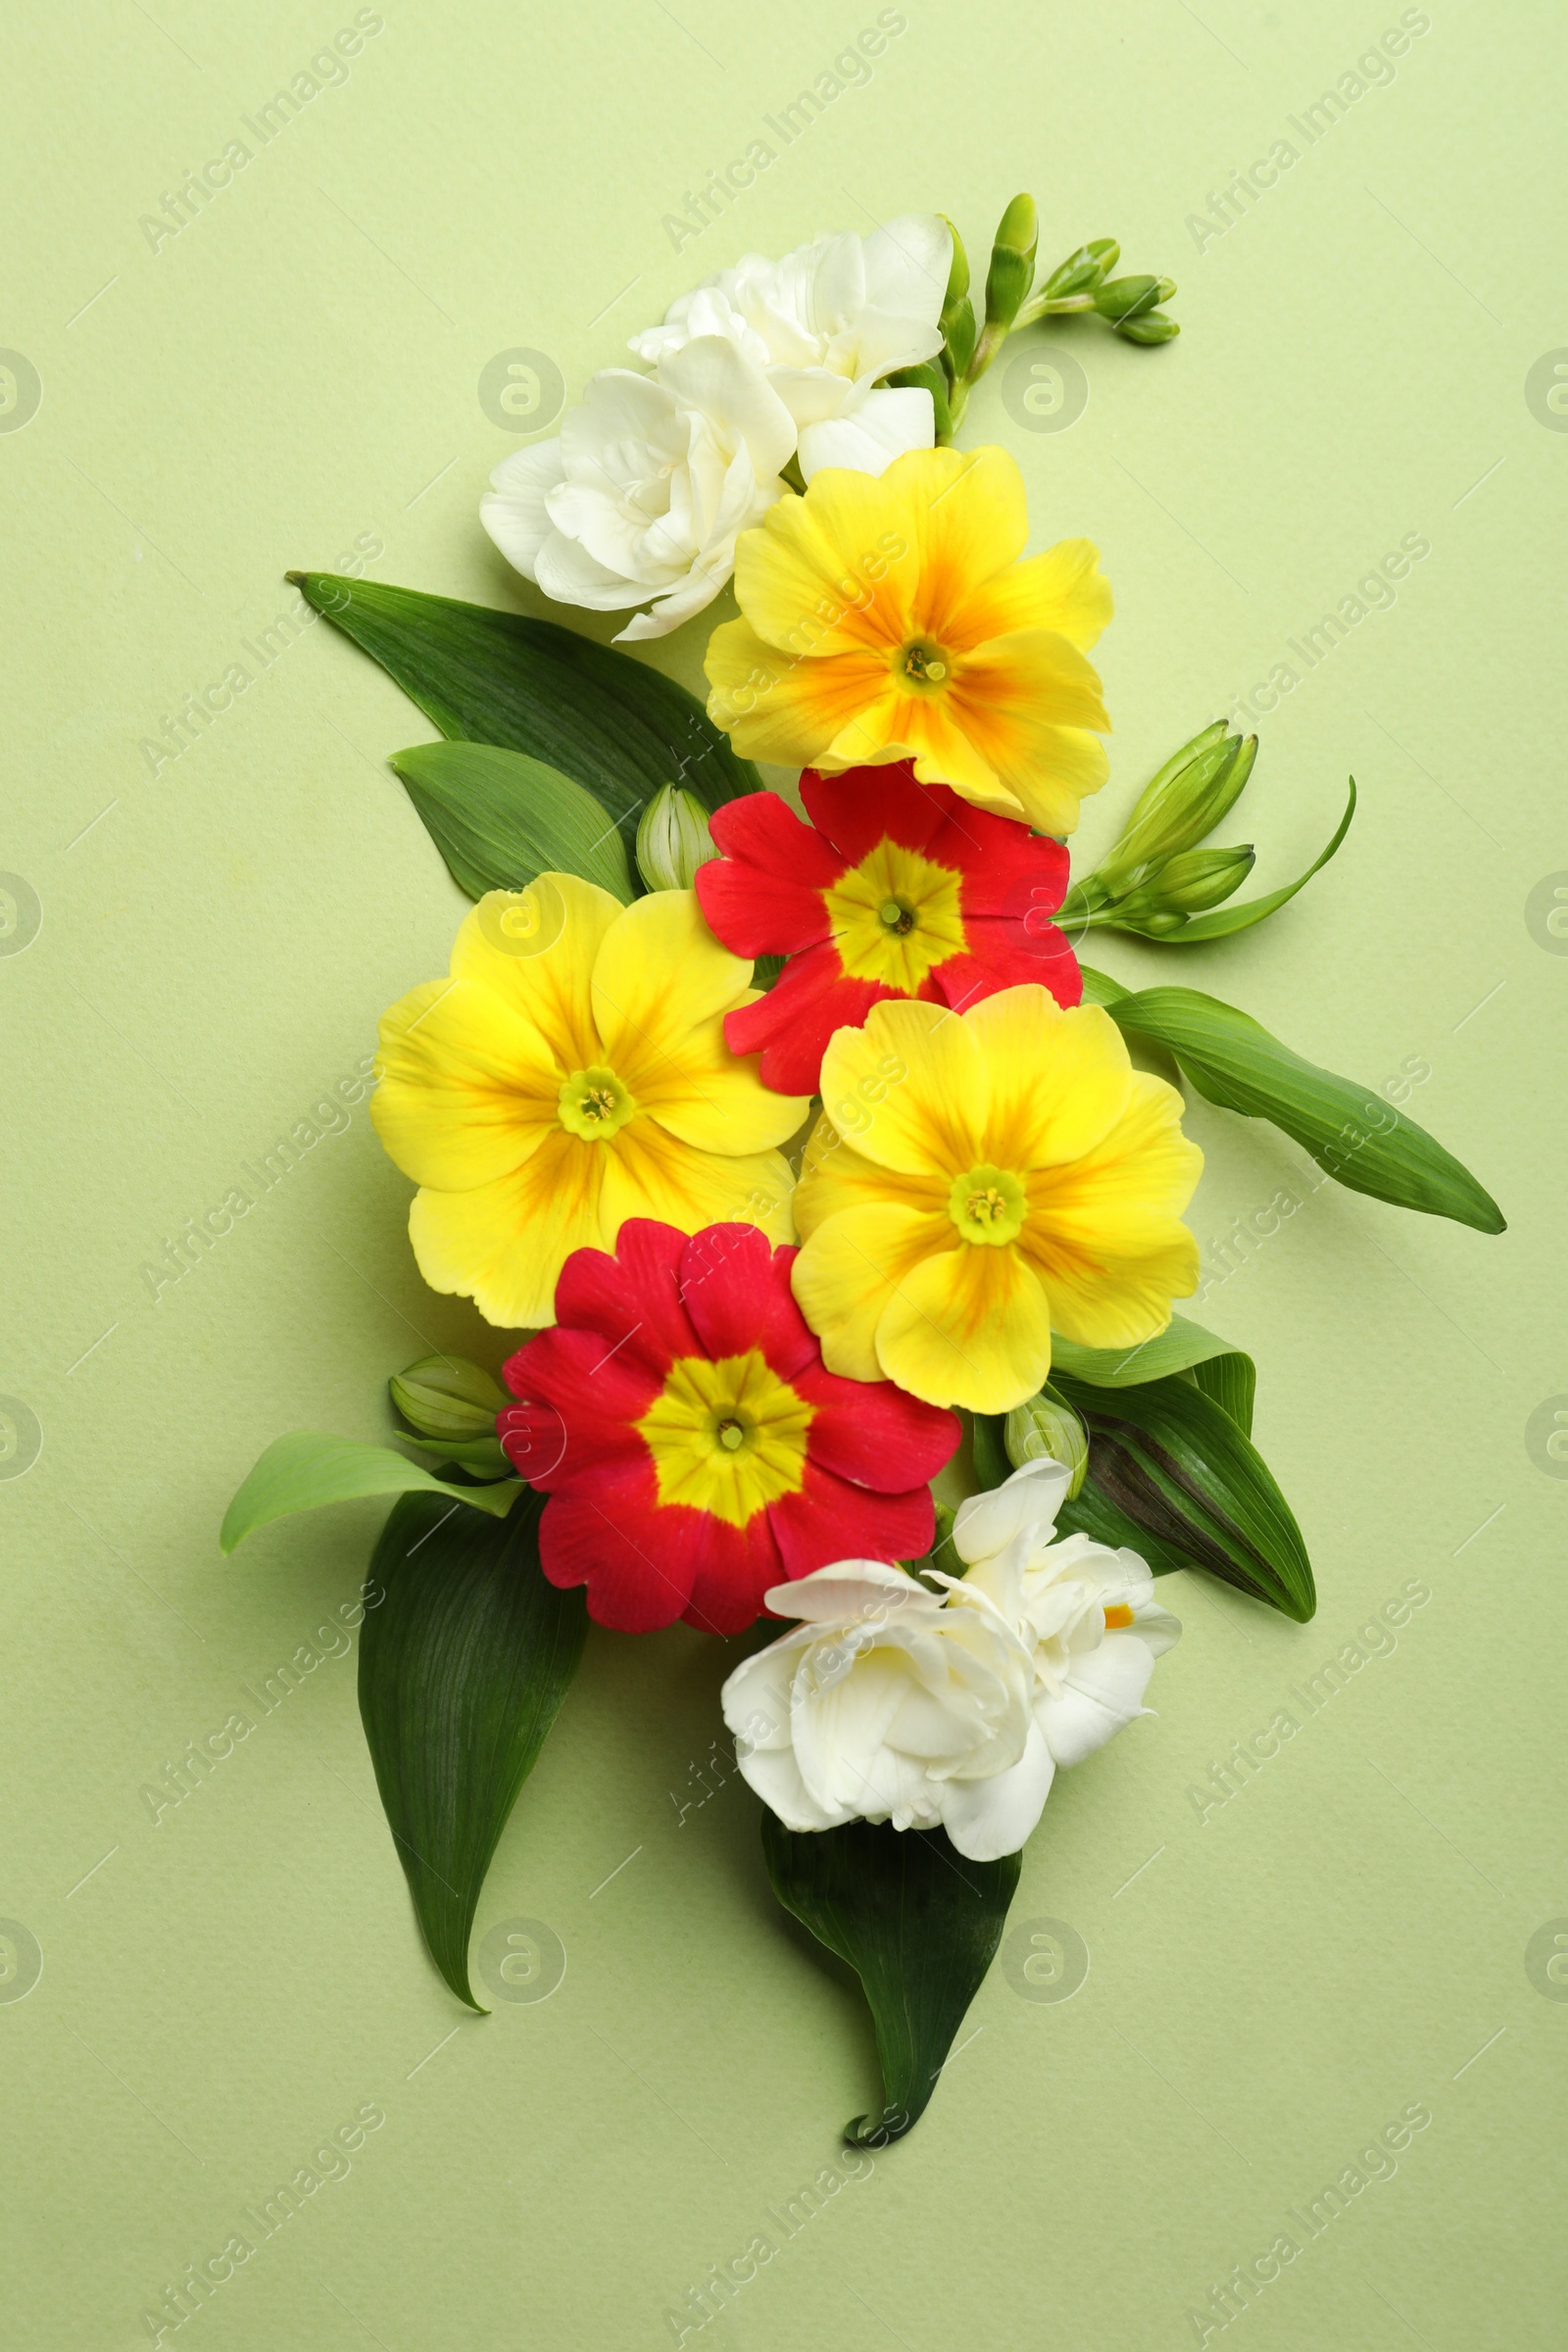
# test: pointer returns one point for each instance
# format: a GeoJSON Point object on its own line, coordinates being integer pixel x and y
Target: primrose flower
{"type": "Point", "coordinates": [890, 619]}
{"type": "Point", "coordinates": [694, 1450]}
{"type": "Point", "coordinates": [570, 1073]}
{"type": "Point", "coordinates": [980, 1177]}
{"type": "Point", "coordinates": [893, 889]}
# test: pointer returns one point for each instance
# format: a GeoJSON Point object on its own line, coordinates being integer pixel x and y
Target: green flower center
{"type": "Point", "coordinates": [988, 1205]}
{"type": "Point", "coordinates": [924, 664]}
{"type": "Point", "coordinates": [897, 915]}
{"type": "Point", "coordinates": [594, 1105]}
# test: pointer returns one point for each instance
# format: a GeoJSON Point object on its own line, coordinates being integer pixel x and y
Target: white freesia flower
{"type": "Point", "coordinates": [887, 1703]}
{"type": "Point", "coordinates": [648, 486]}
{"type": "Point", "coordinates": [825, 323]}
{"type": "Point", "coordinates": [1087, 1613]}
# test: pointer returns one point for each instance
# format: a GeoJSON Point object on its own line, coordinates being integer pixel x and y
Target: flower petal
{"type": "Point", "coordinates": [871, 1434]}
{"type": "Point", "coordinates": [551, 985]}
{"type": "Point", "coordinates": [1064, 590]}
{"type": "Point", "coordinates": [909, 1090]}
{"type": "Point", "coordinates": [1104, 1232]}
{"type": "Point", "coordinates": [503, 1245]}
{"type": "Point", "coordinates": [791, 1025]}
{"type": "Point", "coordinates": [647, 1173]}
{"type": "Point", "coordinates": [1057, 1082]}
{"type": "Point", "coordinates": [970, 519]}
{"type": "Point", "coordinates": [634, 1555]}
{"type": "Point", "coordinates": [850, 1269]}
{"type": "Point", "coordinates": [867, 437]}
{"type": "Point", "coordinates": [830, 1517]}
{"type": "Point", "coordinates": [513, 509]}
{"type": "Point", "coordinates": [631, 1299]}
{"type": "Point", "coordinates": [819, 577]}
{"type": "Point", "coordinates": [736, 1289]}
{"type": "Point", "coordinates": [467, 1087]}
{"type": "Point", "coordinates": [1103, 1691]}
{"type": "Point", "coordinates": [782, 706]}
{"type": "Point", "coordinates": [763, 896]}
{"type": "Point", "coordinates": [971, 1327]}
{"type": "Point", "coordinates": [989, 1818]}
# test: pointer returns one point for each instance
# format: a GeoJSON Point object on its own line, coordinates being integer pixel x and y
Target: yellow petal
{"type": "Point", "coordinates": [908, 1090]}
{"type": "Point", "coordinates": [469, 1088]}
{"type": "Point", "coordinates": [549, 984]}
{"type": "Point", "coordinates": [1058, 1079]}
{"type": "Point", "coordinates": [1064, 590]}
{"type": "Point", "coordinates": [834, 1176]}
{"type": "Point", "coordinates": [780, 708]}
{"type": "Point", "coordinates": [1105, 1234]}
{"type": "Point", "coordinates": [971, 521]}
{"type": "Point", "coordinates": [650, 1174]}
{"type": "Point", "coordinates": [1024, 703]}
{"type": "Point", "coordinates": [852, 1266]}
{"type": "Point", "coordinates": [969, 1328]}
{"type": "Point", "coordinates": [504, 1244]}
{"type": "Point", "coordinates": [830, 573]}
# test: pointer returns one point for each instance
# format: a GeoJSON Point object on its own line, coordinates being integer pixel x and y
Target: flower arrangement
{"type": "Point", "coordinates": [842, 1232]}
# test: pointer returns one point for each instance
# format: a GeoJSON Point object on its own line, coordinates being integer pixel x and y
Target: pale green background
{"type": "Point", "coordinates": [298, 368]}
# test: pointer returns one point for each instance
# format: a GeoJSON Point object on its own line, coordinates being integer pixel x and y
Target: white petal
{"type": "Point", "coordinates": [848, 1591]}
{"type": "Point", "coordinates": [711, 375]}
{"type": "Point", "coordinates": [987, 1819]}
{"type": "Point", "coordinates": [513, 509]}
{"type": "Point", "coordinates": [1027, 1502]}
{"type": "Point", "coordinates": [871, 435]}
{"type": "Point", "coordinates": [1103, 1691]}
{"type": "Point", "coordinates": [569, 574]}
{"type": "Point", "coordinates": [776, 1778]}
{"type": "Point", "coordinates": [908, 264]}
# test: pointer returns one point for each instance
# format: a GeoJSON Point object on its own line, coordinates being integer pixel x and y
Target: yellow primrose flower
{"type": "Point", "coordinates": [888, 618]}
{"type": "Point", "coordinates": [978, 1178]}
{"type": "Point", "coordinates": [569, 1074]}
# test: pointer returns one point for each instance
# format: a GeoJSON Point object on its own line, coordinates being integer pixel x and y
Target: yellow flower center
{"type": "Point", "coordinates": [595, 1105]}
{"type": "Point", "coordinates": [727, 1438]}
{"type": "Point", "coordinates": [988, 1205]}
{"type": "Point", "coordinates": [924, 667]}
{"type": "Point", "coordinates": [1117, 1615]}
{"type": "Point", "coordinates": [895, 916]}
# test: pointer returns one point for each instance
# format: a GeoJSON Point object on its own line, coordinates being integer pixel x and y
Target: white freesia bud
{"type": "Point", "coordinates": [673, 838]}
{"type": "Point", "coordinates": [889, 1704]}
{"type": "Point", "coordinates": [827, 323]}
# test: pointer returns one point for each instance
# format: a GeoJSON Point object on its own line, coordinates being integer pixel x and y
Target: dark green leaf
{"type": "Point", "coordinates": [306, 1470]}
{"type": "Point", "coordinates": [1170, 1459]}
{"type": "Point", "coordinates": [614, 724]}
{"type": "Point", "coordinates": [464, 1659]}
{"type": "Point", "coordinates": [919, 1924]}
{"type": "Point", "coordinates": [1353, 1134]}
{"type": "Point", "coordinates": [498, 818]}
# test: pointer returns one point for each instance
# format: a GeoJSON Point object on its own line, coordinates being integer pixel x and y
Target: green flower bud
{"type": "Point", "coordinates": [1180, 804]}
{"type": "Point", "coordinates": [959, 330]}
{"type": "Point", "coordinates": [1047, 1429]}
{"type": "Point", "coordinates": [1188, 884]}
{"type": "Point", "coordinates": [959, 271]}
{"type": "Point", "coordinates": [1013, 263]}
{"type": "Point", "coordinates": [1127, 298]}
{"type": "Point", "coordinates": [445, 1396]}
{"type": "Point", "coordinates": [1151, 327]}
{"type": "Point", "coordinates": [1082, 270]}
{"type": "Point", "coordinates": [673, 838]}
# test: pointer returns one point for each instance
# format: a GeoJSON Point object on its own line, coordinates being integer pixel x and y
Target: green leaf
{"type": "Point", "coordinates": [919, 1924]}
{"type": "Point", "coordinates": [1174, 1349]}
{"type": "Point", "coordinates": [1169, 1459]}
{"type": "Point", "coordinates": [482, 1457]}
{"type": "Point", "coordinates": [1226, 919]}
{"type": "Point", "coordinates": [498, 818]}
{"type": "Point", "coordinates": [611, 724]}
{"type": "Point", "coordinates": [1354, 1135]}
{"type": "Point", "coordinates": [305, 1470]}
{"type": "Point", "coordinates": [463, 1662]}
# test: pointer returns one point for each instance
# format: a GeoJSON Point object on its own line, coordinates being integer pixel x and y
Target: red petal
{"type": "Point", "coordinates": [765, 896]}
{"type": "Point", "coordinates": [830, 1520]}
{"type": "Point", "coordinates": [579, 1402]}
{"type": "Point", "coordinates": [871, 1433]}
{"type": "Point", "coordinates": [964, 980]}
{"type": "Point", "coordinates": [635, 1555]}
{"type": "Point", "coordinates": [734, 1568]}
{"type": "Point", "coordinates": [790, 1026]}
{"type": "Point", "coordinates": [865, 806]}
{"type": "Point", "coordinates": [632, 1298]}
{"type": "Point", "coordinates": [737, 1292]}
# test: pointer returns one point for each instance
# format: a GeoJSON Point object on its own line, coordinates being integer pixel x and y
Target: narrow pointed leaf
{"type": "Point", "coordinates": [1225, 919]}
{"type": "Point", "coordinates": [618, 727]}
{"type": "Point", "coordinates": [1174, 1349]}
{"type": "Point", "coordinates": [464, 1659]}
{"type": "Point", "coordinates": [1170, 1459]}
{"type": "Point", "coordinates": [1355, 1136]}
{"type": "Point", "coordinates": [305, 1470]}
{"type": "Point", "coordinates": [498, 818]}
{"type": "Point", "coordinates": [919, 1924]}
